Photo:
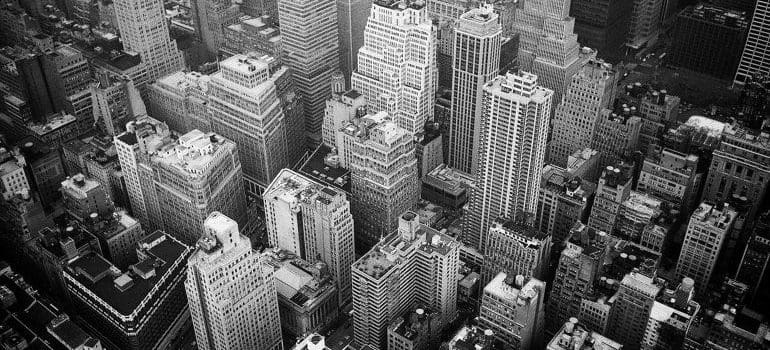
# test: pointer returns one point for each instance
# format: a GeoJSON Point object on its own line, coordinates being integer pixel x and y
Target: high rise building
{"type": "Point", "coordinates": [144, 30]}
{"type": "Point", "coordinates": [341, 108]}
{"type": "Point", "coordinates": [180, 100]}
{"type": "Point", "coordinates": [564, 199]}
{"type": "Point", "coordinates": [645, 23]}
{"type": "Point", "coordinates": [210, 17]}
{"type": "Point", "coordinates": [516, 248]}
{"type": "Point", "coordinates": [671, 176]}
{"type": "Point", "coordinates": [13, 180]}
{"type": "Point", "coordinates": [82, 197]}
{"type": "Point", "coordinates": [709, 39]}
{"type": "Point", "coordinates": [476, 61]}
{"type": "Point", "coordinates": [511, 152]}
{"type": "Point", "coordinates": [512, 307]}
{"type": "Point", "coordinates": [602, 25]}
{"type": "Point", "coordinates": [616, 136]}
{"type": "Point", "coordinates": [252, 34]}
{"type": "Point", "coordinates": [613, 189]}
{"type": "Point", "coordinates": [574, 121]}
{"type": "Point", "coordinates": [631, 309]}
{"type": "Point", "coordinates": [656, 108]}
{"type": "Point", "coordinates": [404, 85]}
{"type": "Point", "coordinates": [671, 317]}
{"type": "Point", "coordinates": [708, 228]}
{"type": "Point", "coordinates": [351, 22]}
{"type": "Point", "coordinates": [312, 221]}
{"type": "Point", "coordinates": [231, 292]}
{"type": "Point", "coordinates": [548, 46]}
{"type": "Point", "coordinates": [311, 49]}
{"type": "Point", "coordinates": [141, 309]}
{"type": "Point", "coordinates": [384, 180]}
{"type": "Point", "coordinates": [755, 58]}
{"type": "Point", "coordinates": [415, 266]}
{"type": "Point", "coordinates": [244, 106]}
{"type": "Point", "coordinates": [740, 166]}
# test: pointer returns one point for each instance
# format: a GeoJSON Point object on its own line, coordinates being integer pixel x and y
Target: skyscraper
{"type": "Point", "coordinates": [143, 29]}
{"type": "Point", "coordinates": [351, 21]}
{"type": "Point", "coordinates": [210, 18]}
{"type": "Point", "coordinates": [312, 221]}
{"type": "Point", "coordinates": [631, 309]}
{"type": "Point", "coordinates": [613, 189]}
{"type": "Point", "coordinates": [516, 248]}
{"type": "Point", "coordinates": [311, 49]}
{"type": "Point", "coordinates": [476, 61]}
{"type": "Point", "coordinates": [402, 84]}
{"type": "Point", "coordinates": [575, 118]}
{"type": "Point", "coordinates": [616, 136]}
{"type": "Point", "coordinates": [231, 292]}
{"type": "Point", "coordinates": [756, 53]}
{"type": "Point", "coordinates": [602, 24]}
{"type": "Point", "coordinates": [564, 199]}
{"type": "Point", "coordinates": [512, 307]}
{"type": "Point", "coordinates": [511, 152]}
{"type": "Point", "coordinates": [415, 266]}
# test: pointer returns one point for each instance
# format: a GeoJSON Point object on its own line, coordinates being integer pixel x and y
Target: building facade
{"type": "Point", "coordinates": [512, 307]}
{"type": "Point", "coordinates": [755, 58]}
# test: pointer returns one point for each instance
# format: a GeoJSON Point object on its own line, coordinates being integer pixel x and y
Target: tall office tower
{"type": "Point", "coordinates": [405, 84]}
{"type": "Point", "coordinates": [709, 39]}
{"type": "Point", "coordinates": [548, 47]}
{"type": "Point", "coordinates": [143, 29]}
{"type": "Point", "coordinates": [563, 200]}
{"type": "Point", "coordinates": [312, 221]}
{"type": "Point", "coordinates": [740, 166]}
{"type": "Point", "coordinates": [511, 152]}
{"type": "Point", "coordinates": [602, 25]}
{"type": "Point", "coordinates": [512, 307]}
{"type": "Point", "coordinates": [210, 17]}
{"type": "Point", "coordinates": [645, 23]}
{"type": "Point", "coordinates": [82, 197]}
{"type": "Point", "coordinates": [311, 49]}
{"type": "Point", "coordinates": [754, 269]}
{"type": "Point", "coordinates": [476, 60]}
{"type": "Point", "coordinates": [755, 58]}
{"type": "Point", "coordinates": [144, 308]}
{"type": "Point", "coordinates": [416, 265]}
{"type": "Point", "coordinates": [384, 180]}
{"type": "Point", "coordinates": [231, 292]}
{"type": "Point", "coordinates": [671, 176]}
{"type": "Point", "coordinates": [616, 136]}
{"type": "Point", "coordinates": [574, 335]}
{"type": "Point", "coordinates": [244, 107]}
{"type": "Point", "coordinates": [613, 189]}
{"type": "Point", "coordinates": [351, 22]}
{"type": "Point", "coordinates": [631, 309]}
{"type": "Point", "coordinates": [709, 226]}
{"type": "Point", "coordinates": [516, 248]}
{"type": "Point", "coordinates": [341, 108]}
{"type": "Point", "coordinates": [591, 90]}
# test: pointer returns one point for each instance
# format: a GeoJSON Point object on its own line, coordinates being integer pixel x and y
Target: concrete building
{"type": "Point", "coordinates": [179, 100]}
{"type": "Point", "coordinates": [428, 148]}
{"type": "Point", "coordinates": [473, 337]}
{"type": "Point", "coordinates": [114, 101]}
{"type": "Point", "coordinates": [645, 23]}
{"type": "Point", "coordinates": [709, 226]}
{"type": "Point", "coordinates": [574, 335]}
{"type": "Point", "coordinates": [602, 25]}
{"type": "Point", "coordinates": [384, 179]}
{"type": "Point", "coordinates": [671, 317]}
{"type": "Point", "coordinates": [476, 60]}
{"type": "Point", "coordinates": [12, 177]}
{"type": "Point", "coordinates": [447, 187]}
{"type": "Point", "coordinates": [415, 266]}
{"type": "Point", "coordinates": [511, 162]}
{"type": "Point", "coordinates": [574, 121]}
{"type": "Point", "coordinates": [403, 26]}
{"type": "Point", "coordinates": [614, 188]}
{"type": "Point", "coordinates": [512, 307]}
{"type": "Point", "coordinates": [341, 108]}
{"type": "Point", "coordinates": [516, 248]}
{"type": "Point", "coordinates": [312, 221]}
{"type": "Point", "coordinates": [656, 108]}
{"type": "Point", "coordinates": [83, 196]}
{"type": "Point", "coordinates": [616, 136]}
{"type": "Point", "coordinates": [352, 16]}
{"type": "Point", "coordinates": [143, 29]}
{"type": "Point", "coordinates": [671, 176]}
{"type": "Point", "coordinates": [755, 58]}
{"type": "Point", "coordinates": [709, 39]}
{"type": "Point", "coordinates": [252, 34]}
{"type": "Point", "coordinates": [418, 329]}
{"type": "Point", "coordinates": [210, 18]}
{"type": "Point", "coordinates": [564, 199]}
{"type": "Point", "coordinates": [585, 164]}
{"type": "Point", "coordinates": [631, 310]}
{"type": "Point", "coordinates": [733, 328]}
{"type": "Point", "coordinates": [310, 43]}
{"type": "Point", "coordinates": [44, 168]}
{"type": "Point", "coordinates": [313, 341]}
{"type": "Point", "coordinates": [236, 309]}
{"type": "Point", "coordinates": [140, 308]}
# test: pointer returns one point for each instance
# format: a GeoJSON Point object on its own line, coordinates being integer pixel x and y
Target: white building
{"type": "Point", "coordinates": [511, 152]}
{"type": "Point", "coordinates": [476, 61]}
{"type": "Point", "coordinates": [340, 109]}
{"type": "Point", "coordinates": [512, 307]}
{"type": "Point", "coordinates": [397, 65]}
{"type": "Point", "coordinates": [312, 221]}
{"type": "Point", "coordinates": [231, 293]}
{"type": "Point", "coordinates": [756, 53]}
{"type": "Point", "coordinates": [13, 180]}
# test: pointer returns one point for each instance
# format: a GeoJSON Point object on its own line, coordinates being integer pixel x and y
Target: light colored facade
{"type": "Point", "coordinates": [672, 176]}
{"type": "Point", "coordinates": [516, 248]}
{"type": "Point", "coordinates": [563, 200]}
{"type": "Point", "coordinates": [574, 335]}
{"type": "Point", "coordinates": [631, 309]}
{"type": "Point", "coordinates": [179, 99]}
{"type": "Point", "coordinates": [210, 18]}
{"type": "Point", "coordinates": [250, 34]}
{"type": "Point", "coordinates": [756, 53]}
{"type": "Point", "coordinates": [512, 307]}
{"type": "Point", "coordinates": [82, 196]}
{"type": "Point", "coordinates": [616, 136]}
{"type": "Point", "coordinates": [143, 29]}
{"type": "Point", "coordinates": [613, 189]}
{"type": "Point", "coordinates": [511, 152]}
{"type": "Point", "coordinates": [415, 266]}
{"type": "Point", "coordinates": [476, 61]}
{"type": "Point", "coordinates": [397, 70]}
{"type": "Point", "coordinates": [13, 178]}
{"type": "Point", "coordinates": [341, 108]}
{"type": "Point", "coordinates": [671, 316]}
{"type": "Point", "coordinates": [231, 292]}
{"type": "Point", "coordinates": [310, 43]}
{"type": "Point", "coordinates": [706, 232]}
{"type": "Point", "coordinates": [313, 221]}
{"type": "Point", "coordinates": [575, 118]}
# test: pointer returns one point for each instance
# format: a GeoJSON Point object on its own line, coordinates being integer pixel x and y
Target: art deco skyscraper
{"type": "Point", "coordinates": [476, 61]}
{"type": "Point", "coordinates": [591, 90]}
{"type": "Point", "coordinates": [397, 65]}
{"type": "Point", "coordinates": [231, 292]}
{"type": "Point", "coordinates": [143, 29]}
{"type": "Point", "coordinates": [311, 49]}
{"type": "Point", "coordinates": [511, 152]}
{"type": "Point", "coordinates": [756, 53]}
{"type": "Point", "coordinates": [312, 221]}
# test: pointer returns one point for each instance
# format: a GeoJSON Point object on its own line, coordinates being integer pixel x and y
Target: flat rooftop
{"type": "Point", "coordinates": [317, 167]}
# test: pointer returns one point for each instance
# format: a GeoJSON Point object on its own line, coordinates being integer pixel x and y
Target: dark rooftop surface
{"type": "Point", "coordinates": [316, 169]}
{"type": "Point", "coordinates": [352, 94]}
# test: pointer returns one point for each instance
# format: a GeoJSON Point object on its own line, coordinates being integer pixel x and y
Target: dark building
{"type": "Point", "coordinates": [34, 78]}
{"type": "Point", "coordinates": [602, 24]}
{"type": "Point", "coordinates": [709, 39]}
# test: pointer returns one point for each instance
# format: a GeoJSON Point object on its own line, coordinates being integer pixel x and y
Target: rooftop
{"type": "Point", "coordinates": [448, 179]}
{"type": "Point", "coordinates": [575, 336]}
{"type": "Point", "coordinates": [194, 153]}
{"type": "Point", "coordinates": [716, 14]}
{"type": "Point", "coordinates": [54, 123]}
{"type": "Point", "coordinates": [412, 323]}
{"type": "Point", "coordinates": [473, 338]}
{"type": "Point", "coordinates": [79, 185]}
{"type": "Point", "coordinates": [401, 4]}
{"type": "Point", "coordinates": [322, 166]}
{"type": "Point", "coordinates": [299, 281]}
{"type": "Point", "coordinates": [294, 188]}
{"type": "Point", "coordinates": [559, 180]}
{"type": "Point", "coordinates": [710, 214]}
